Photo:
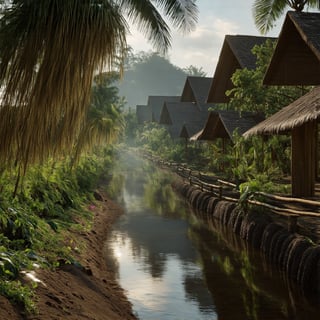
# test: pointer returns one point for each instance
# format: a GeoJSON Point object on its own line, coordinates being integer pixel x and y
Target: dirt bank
{"type": "Point", "coordinates": [76, 293]}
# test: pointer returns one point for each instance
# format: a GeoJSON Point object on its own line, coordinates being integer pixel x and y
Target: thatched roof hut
{"type": "Point", "coordinates": [196, 89]}
{"type": "Point", "coordinates": [144, 114]}
{"type": "Point", "coordinates": [296, 59]}
{"type": "Point", "coordinates": [224, 123]}
{"type": "Point", "coordinates": [300, 118]}
{"type": "Point", "coordinates": [156, 104]}
{"type": "Point", "coordinates": [235, 54]}
{"type": "Point", "coordinates": [188, 130]}
{"type": "Point", "coordinates": [177, 114]}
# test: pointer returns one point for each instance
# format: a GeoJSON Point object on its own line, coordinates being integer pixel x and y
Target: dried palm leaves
{"type": "Point", "coordinates": [49, 52]}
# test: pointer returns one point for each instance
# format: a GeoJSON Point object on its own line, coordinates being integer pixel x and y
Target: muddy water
{"type": "Point", "coordinates": [174, 266]}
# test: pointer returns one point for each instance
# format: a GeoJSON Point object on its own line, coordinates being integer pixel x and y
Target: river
{"type": "Point", "coordinates": [173, 265]}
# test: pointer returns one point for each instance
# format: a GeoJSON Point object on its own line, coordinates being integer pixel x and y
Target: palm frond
{"type": "Point", "coordinates": [49, 53]}
{"type": "Point", "coordinates": [99, 129]}
{"type": "Point", "coordinates": [266, 12]}
{"type": "Point", "coordinates": [182, 14]}
{"type": "Point", "coordinates": [313, 4]}
{"type": "Point", "coordinates": [148, 20]}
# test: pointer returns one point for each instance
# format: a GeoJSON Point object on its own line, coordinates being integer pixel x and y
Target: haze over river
{"type": "Point", "coordinates": [173, 265]}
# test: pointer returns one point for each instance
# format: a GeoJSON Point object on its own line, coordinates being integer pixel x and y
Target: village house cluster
{"type": "Point", "coordinates": [296, 61]}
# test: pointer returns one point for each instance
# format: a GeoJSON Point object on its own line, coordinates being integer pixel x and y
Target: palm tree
{"type": "Point", "coordinates": [266, 12]}
{"type": "Point", "coordinates": [50, 51]}
{"type": "Point", "coordinates": [104, 120]}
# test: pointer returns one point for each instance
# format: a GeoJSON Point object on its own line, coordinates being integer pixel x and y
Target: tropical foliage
{"type": "Point", "coordinates": [249, 93]}
{"type": "Point", "coordinates": [56, 62]}
{"type": "Point", "coordinates": [266, 12]}
{"type": "Point", "coordinates": [50, 51]}
{"type": "Point", "coordinates": [104, 120]}
{"type": "Point", "coordinates": [51, 198]}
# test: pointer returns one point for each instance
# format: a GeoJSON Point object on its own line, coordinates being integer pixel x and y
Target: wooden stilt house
{"type": "Point", "coordinates": [196, 90]}
{"type": "Point", "coordinates": [178, 114]}
{"type": "Point", "coordinates": [156, 104]}
{"type": "Point", "coordinates": [236, 53]}
{"type": "Point", "coordinates": [300, 119]}
{"type": "Point", "coordinates": [296, 61]}
{"type": "Point", "coordinates": [186, 117]}
{"type": "Point", "coordinates": [224, 123]}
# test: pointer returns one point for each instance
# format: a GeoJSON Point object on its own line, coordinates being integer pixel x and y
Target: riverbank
{"type": "Point", "coordinates": [296, 256]}
{"type": "Point", "coordinates": [88, 291]}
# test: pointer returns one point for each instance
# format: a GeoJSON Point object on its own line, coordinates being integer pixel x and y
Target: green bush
{"type": "Point", "coordinates": [35, 211]}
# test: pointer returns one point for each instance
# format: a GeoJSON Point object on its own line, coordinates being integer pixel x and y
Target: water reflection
{"type": "Point", "coordinates": [160, 293]}
{"type": "Point", "coordinates": [150, 250]}
{"type": "Point", "coordinates": [174, 266]}
{"type": "Point", "coordinates": [240, 281]}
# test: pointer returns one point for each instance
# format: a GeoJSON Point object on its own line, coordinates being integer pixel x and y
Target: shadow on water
{"type": "Point", "coordinates": [174, 263]}
{"type": "Point", "coordinates": [240, 280]}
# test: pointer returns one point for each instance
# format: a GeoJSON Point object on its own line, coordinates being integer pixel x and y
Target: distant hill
{"type": "Point", "coordinates": [150, 75]}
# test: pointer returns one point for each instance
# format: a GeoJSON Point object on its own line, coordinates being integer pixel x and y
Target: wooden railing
{"type": "Point", "coordinates": [290, 207]}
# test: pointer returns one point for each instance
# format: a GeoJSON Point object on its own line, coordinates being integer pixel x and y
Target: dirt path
{"type": "Point", "coordinates": [75, 293]}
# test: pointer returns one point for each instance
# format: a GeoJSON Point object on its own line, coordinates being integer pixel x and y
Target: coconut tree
{"type": "Point", "coordinates": [104, 120]}
{"type": "Point", "coordinates": [266, 12]}
{"type": "Point", "coordinates": [50, 51]}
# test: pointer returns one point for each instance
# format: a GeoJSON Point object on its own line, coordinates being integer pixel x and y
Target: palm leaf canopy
{"type": "Point", "coordinates": [49, 53]}
{"type": "Point", "coordinates": [267, 12]}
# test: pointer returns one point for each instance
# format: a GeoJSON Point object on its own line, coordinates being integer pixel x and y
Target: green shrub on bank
{"type": "Point", "coordinates": [35, 211]}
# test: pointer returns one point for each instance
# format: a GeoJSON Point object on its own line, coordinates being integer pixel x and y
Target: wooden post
{"type": "Point", "coordinates": [303, 151]}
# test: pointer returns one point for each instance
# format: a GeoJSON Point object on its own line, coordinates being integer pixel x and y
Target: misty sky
{"type": "Point", "coordinates": [201, 48]}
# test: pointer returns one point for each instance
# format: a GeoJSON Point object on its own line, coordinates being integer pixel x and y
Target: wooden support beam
{"type": "Point", "coordinates": [303, 159]}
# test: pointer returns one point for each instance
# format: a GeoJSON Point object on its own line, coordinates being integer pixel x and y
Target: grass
{"type": "Point", "coordinates": [38, 224]}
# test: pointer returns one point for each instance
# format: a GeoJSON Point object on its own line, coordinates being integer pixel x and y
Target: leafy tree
{"type": "Point", "coordinates": [131, 125]}
{"type": "Point", "coordinates": [155, 138]}
{"type": "Point", "coordinates": [194, 71]}
{"type": "Point", "coordinates": [50, 51]}
{"type": "Point", "coordinates": [266, 12]}
{"type": "Point", "coordinates": [249, 94]}
{"type": "Point", "coordinates": [104, 121]}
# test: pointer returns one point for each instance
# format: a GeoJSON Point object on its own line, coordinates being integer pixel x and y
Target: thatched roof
{"type": "Point", "coordinates": [144, 114]}
{"type": "Point", "coordinates": [156, 104]}
{"type": "Point", "coordinates": [223, 124]}
{"type": "Point", "coordinates": [188, 130]}
{"type": "Point", "coordinates": [176, 114]}
{"type": "Point", "coordinates": [296, 60]}
{"type": "Point", "coordinates": [235, 54]}
{"type": "Point", "coordinates": [196, 89]}
{"type": "Point", "coordinates": [304, 109]}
